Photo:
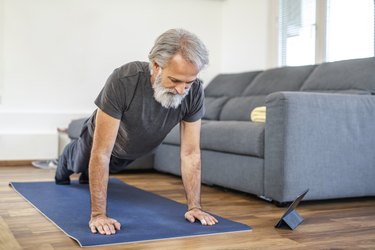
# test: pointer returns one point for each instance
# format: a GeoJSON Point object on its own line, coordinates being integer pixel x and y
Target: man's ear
{"type": "Point", "coordinates": [155, 66]}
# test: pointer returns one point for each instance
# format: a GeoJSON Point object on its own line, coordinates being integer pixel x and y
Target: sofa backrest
{"type": "Point", "coordinates": [222, 88]}
{"type": "Point", "coordinates": [234, 96]}
{"type": "Point", "coordinates": [355, 75]}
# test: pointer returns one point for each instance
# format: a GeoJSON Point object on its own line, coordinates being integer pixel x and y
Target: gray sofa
{"type": "Point", "coordinates": [319, 132]}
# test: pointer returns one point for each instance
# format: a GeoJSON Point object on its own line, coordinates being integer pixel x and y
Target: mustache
{"type": "Point", "coordinates": [173, 92]}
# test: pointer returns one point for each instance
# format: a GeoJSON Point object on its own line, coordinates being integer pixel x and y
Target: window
{"type": "Point", "coordinates": [350, 29]}
{"type": "Point", "coordinates": [297, 32]}
{"type": "Point", "coordinates": [313, 31]}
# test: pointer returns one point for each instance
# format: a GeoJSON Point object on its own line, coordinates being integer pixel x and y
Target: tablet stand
{"type": "Point", "coordinates": [291, 218]}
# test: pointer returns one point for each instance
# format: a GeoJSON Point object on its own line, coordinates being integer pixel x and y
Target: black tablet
{"type": "Point", "coordinates": [291, 217]}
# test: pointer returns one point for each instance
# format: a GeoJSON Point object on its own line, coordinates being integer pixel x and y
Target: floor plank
{"type": "Point", "coordinates": [344, 223]}
{"type": "Point", "coordinates": [7, 240]}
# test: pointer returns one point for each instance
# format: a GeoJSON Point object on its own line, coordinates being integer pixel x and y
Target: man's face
{"type": "Point", "coordinates": [172, 83]}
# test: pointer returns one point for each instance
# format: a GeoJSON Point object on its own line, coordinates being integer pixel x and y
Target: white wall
{"type": "Point", "coordinates": [73, 45]}
{"type": "Point", "coordinates": [57, 54]}
{"type": "Point", "coordinates": [1, 47]}
{"type": "Point", "coordinates": [245, 35]}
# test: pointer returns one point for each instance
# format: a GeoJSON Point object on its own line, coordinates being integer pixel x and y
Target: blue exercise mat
{"type": "Point", "coordinates": [143, 215]}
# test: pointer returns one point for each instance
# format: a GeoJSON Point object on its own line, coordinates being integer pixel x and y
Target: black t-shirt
{"type": "Point", "coordinates": [128, 96]}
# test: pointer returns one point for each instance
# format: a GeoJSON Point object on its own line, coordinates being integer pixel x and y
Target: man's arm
{"type": "Point", "coordinates": [106, 129]}
{"type": "Point", "coordinates": [191, 171]}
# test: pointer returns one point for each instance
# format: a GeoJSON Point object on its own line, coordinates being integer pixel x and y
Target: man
{"type": "Point", "coordinates": [138, 106]}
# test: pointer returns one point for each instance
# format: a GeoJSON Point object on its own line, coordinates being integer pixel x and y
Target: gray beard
{"type": "Point", "coordinates": [168, 98]}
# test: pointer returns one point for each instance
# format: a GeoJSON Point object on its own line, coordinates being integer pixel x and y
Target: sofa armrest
{"type": "Point", "coordinates": [325, 142]}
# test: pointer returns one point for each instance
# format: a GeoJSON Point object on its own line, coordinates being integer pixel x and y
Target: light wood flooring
{"type": "Point", "coordinates": [333, 224]}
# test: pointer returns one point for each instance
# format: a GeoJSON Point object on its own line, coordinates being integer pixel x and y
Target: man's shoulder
{"type": "Point", "coordinates": [197, 87]}
{"type": "Point", "coordinates": [132, 69]}
{"type": "Point", "coordinates": [195, 95]}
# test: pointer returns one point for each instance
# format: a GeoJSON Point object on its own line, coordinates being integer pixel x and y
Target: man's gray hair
{"type": "Point", "coordinates": [180, 41]}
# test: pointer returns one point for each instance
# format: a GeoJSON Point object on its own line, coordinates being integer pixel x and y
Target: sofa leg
{"type": "Point", "coordinates": [265, 198]}
{"type": "Point", "coordinates": [281, 204]}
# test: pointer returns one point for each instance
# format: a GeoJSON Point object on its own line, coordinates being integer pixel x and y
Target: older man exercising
{"type": "Point", "coordinates": [138, 106]}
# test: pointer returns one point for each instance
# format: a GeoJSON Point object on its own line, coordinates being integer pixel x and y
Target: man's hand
{"type": "Point", "coordinates": [104, 225]}
{"type": "Point", "coordinates": [203, 217]}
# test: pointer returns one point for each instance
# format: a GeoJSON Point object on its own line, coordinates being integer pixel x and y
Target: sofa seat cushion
{"type": "Point", "coordinates": [237, 137]}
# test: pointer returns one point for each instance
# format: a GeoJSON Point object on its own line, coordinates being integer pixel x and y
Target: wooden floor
{"type": "Point", "coordinates": [334, 224]}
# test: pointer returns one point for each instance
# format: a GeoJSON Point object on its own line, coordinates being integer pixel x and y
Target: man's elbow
{"type": "Point", "coordinates": [193, 159]}
{"type": "Point", "coordinates": [99, 158]}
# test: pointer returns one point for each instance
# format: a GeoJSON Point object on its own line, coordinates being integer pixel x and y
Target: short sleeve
{"type": "Point", "coordinates": [111, 98]}
{"type": "Point", "coordinates": [196, 108]}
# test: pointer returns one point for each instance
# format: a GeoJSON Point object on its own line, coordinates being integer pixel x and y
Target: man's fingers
{"type": "Point", "coordinates": [203, 222]}
{"type": "Point", "coordinates": [100, 229]}
{"type": "Point", "coordinates": [206, 219]}
{"type": "Point", "coordinates": [105, 225]}
{"type": "Point", "coordinates": [112, 228]}
{"type": "Point", "coordinates": [106, 229]}
{"type": "Point", "coordinates": [93, 229]}
{"type": "Point", "coordinates": [210, 220]}
{"type": "Point", "coordinates": [117, 224]}
{"type": "Point", "coordinates": [189, 217]}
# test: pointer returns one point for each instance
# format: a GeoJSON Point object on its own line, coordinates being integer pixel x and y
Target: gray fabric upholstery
{"type": "Point", "coordinates": [350, 74]}
{"type": "Point", "coordinates": [280, 79]}
{"type": "Point", "coordinates": [167, 159]}
{"type": "Point", "coordinates": [229, 84]}
{"type": "Point", "coordinates": [238, 172]}
{"type": "Point", "coordinates": [319, 138]}
{"type": "Point", "coordinates": [239, 108]}
{"type": "Point", "coordinates": [343, 91]}
{"type": "Point", "coordinates": [323, 142]}
{"type": "Point", "coordinates": [236, 137]}
{"type": "Point", "coordinates": [245, 138]}
{"type": "Point", "coordinates": [213, 107]}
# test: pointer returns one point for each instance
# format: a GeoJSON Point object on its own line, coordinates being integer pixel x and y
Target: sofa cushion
{"type": "Point", "coordinates": [238, 137]}
{"type": "Point", "coordinates": [355, 74]}
{"type": "Point", "coordinates": [213, 107]}
{"type": "Point", "coordinates": [229, 84]}
{"type": "Point", "coordinates": [239, 108]}
{"type": "Point", "coordinates": [279, 79]}
{"type": "Point", "coordinates": [344, 91]}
